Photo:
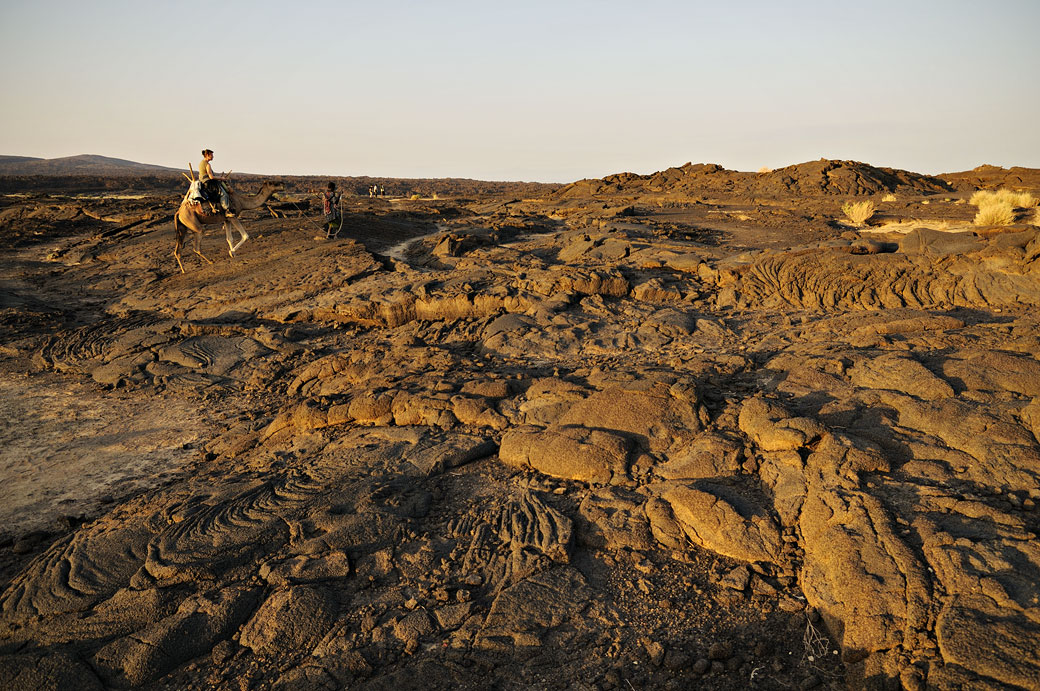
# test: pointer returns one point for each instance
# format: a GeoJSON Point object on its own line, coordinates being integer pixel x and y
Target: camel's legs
{"type": "Point", "coordinates": [179, 234]}
{"type": "Point", "coordinates": [177, 251]}
{"type": "Point", "coordinates": [233, 247]}
{"type": "Point", "coordinates": [197, 246]}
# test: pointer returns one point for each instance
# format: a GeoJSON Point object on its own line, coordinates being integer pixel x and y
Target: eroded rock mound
{"type": "Point", "coordinates": [823, 177]}
{"type": "Point", "coordinates": [966, 272]}
{"type": "Point", "coordinates": [846, 178]}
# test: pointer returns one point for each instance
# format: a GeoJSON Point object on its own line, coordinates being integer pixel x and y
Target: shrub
{"type": "Point", "coordinates": [858, 212]}
{"type": "Point", "coordinates": [764, 169]}
{"type": "Point", "coordinates": [995, 213]}
{"type": "Point", "coordinates": [1023, 200]}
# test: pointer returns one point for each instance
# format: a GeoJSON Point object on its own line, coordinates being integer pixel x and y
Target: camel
{"type": "Point", "coordinates": [193, 216]}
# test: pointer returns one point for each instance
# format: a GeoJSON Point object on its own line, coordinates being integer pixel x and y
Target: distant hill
{"type": "Point", "coordinates": [986, 177]}
{"type": "Point", "coordinates": [84, 164]}
{"type": "Point", "coordinates": [814, 178]}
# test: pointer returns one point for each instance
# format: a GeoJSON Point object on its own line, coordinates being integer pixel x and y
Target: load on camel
{"type": "Point", "coordinates": [195, 213]}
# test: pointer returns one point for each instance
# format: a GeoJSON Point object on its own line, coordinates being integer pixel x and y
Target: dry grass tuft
{"type": "Point", "coordinates": [764, 169]}
{"type": "Point", "coordinates": [1017, 200]}
{"type": "Point", "coordinates": [889, 198]}
{"type": "Point", "coordinates": [815, 643]}
{"type": "Point", "coordinates": [995, 213]}
{"type": "Point", "coordinates": [858, 212]}
{"type": "Point", "coordinates": [1036, 218]}
{"type": "Point", "coordinates": [1026, 200]}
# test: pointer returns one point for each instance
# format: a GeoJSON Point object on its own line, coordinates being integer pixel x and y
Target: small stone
{"type": "Point", "coordinates": [737, 579]}
{"type": "Point", "coordinates": [717, 667]}
{"type": "Point", "coordinates": [23, 546]}
{"type": "Point", "coordinates": [676, 660]}
{"type": "Point", "coordinates": [912, 679]}
{"type": "Point", "coordinates": [720, 650]}
{"type": "Point", "coordinates": [728, 598]}
{"type": "Point", "coordinates": [655, 651]}
{"type": "Point", "coordinates": [463, 595]}
{"type": "Point", "coordinates": [222, 652]}
{"type": "Point", "coordinates": [809, 683]}
{"type": "Point", "coordinates": [411, 603]}
{"type": "Point", "coordinates": [701, 666]}
{"type": "Point", "coordinates": [761, 586]}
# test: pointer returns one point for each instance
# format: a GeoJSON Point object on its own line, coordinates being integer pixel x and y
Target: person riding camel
{"type": "Point", "coordinates": [213, 187]}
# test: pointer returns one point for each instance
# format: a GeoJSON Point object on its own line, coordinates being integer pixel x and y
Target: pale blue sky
{"type": "Point", "coordinates": [549, 91]}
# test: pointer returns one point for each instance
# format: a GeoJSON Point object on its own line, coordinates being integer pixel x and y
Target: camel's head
{"type": "Point", "coordinates": [270, 187]}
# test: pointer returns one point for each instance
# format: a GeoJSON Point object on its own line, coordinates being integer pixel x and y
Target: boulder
{"type": "Point", "coordinates": [655, 415]}
{"type": "Point", "coordinates": [292, 619]}
{"type": "Point", "coordinates": [748, 534]}
{"type": "Point", "coordinates": [572, 453]}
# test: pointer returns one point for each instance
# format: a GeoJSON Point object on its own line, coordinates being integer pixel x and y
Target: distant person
{"type": "Point", "coordinates": [382, 191]}
{"type": "Point", "coordinates": [330, 205]}
{"type": "Point", "coordinates": [213, 188]}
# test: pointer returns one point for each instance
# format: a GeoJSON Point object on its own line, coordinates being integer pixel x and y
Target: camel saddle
{"type": "Point", "coordinates": [208, 192]}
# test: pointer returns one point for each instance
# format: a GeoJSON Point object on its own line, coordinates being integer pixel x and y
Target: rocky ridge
{"type": "Point", "coordinates": [823, 177]}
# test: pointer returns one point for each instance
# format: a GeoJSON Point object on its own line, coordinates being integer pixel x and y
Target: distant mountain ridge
{"type": "Point", "coordinates": [83, 164]}
{"type": "Point", "coordinates": [822, 177]}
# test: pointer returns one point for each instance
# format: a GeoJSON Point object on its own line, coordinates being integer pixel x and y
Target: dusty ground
{"type": "Point", "coordinates": [685, 430]}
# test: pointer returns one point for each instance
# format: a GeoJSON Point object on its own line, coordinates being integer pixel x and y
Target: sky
{"type": "Point", "coordinates": [527, 90]}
